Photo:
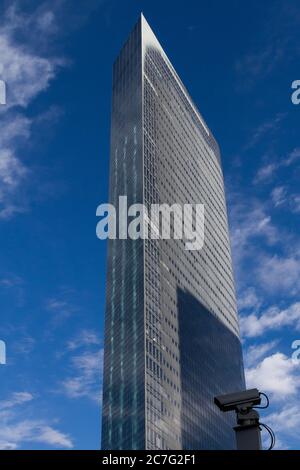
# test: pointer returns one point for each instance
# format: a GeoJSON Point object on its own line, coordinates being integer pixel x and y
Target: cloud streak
{"type": "Point", "coordinates": [15, 431]}
{"type": "Point", "coordinates": [273, 318]}
{"type": "Point", "coordinates": [267, 172]}
{"type": "Point", "coordinates": [84, 381]}
{"type": "Point", "coordinates": [27, 74]}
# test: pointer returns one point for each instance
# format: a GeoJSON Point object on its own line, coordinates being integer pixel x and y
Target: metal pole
{"type": "Point", "coordinates": [248, 436]}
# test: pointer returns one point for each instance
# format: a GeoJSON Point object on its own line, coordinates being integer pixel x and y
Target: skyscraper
{"type": "Point", "coordinates": [171, 327]}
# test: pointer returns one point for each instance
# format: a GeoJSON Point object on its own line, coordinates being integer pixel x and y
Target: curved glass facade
{"type": "Point", "coordinates": [123, 412]}
{"type": "Point", "coordinates": [171, 316]}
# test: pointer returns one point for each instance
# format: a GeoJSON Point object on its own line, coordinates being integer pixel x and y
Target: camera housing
{"type": "Point", "coordinates": [238, 400]}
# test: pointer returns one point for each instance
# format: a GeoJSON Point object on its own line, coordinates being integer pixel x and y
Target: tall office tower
{"type": "Point", "coordinates": [171, 328]}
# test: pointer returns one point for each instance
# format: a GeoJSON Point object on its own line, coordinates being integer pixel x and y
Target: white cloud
{"type": "Point", "coordinates": [26, 73]}
{"type": "Point", "coordinates": [11, 281]}
{"type": "Point", "coordinates": [60, 307]}
{"type": "Point", "coordinates": [250, 221]}
{"type": "Point", "coordinates": [266, 172]}
{"type": "Point", "coordinates": [57, 305]}
{"type": "Point", "coordinates": [28, 65]}
{"type": "Point", "coordinates": [279, 196]}
{"type": "Point", "coordinates": [85, 338]}
{"type": "Point", "coordinates": [6, 445]}
{"type": "Point", "coordinates": [85, 378]}
{"type": "Point", "coordinates": [285, 421]}
{"type": "Point", "coordinates": [16, 21]}
{"type": "Point", "coordinates": [14, 433]}
{"type": "Point", "coordinates": [292, 157]}
{"type": "Point", "coordinates": [17, 398]}
{"type": "Point", "coordinates": [272, 319]}
{"type": "Point", "coordinates": [11, 170]}
{"type": "Point", "coordinates": [276, 374]}
{"type": "Point", "coordinates": [248, 299]}
{"type": "Point", "coordinates": [253, 237]}
{"type": "Point", "coordinates": [53, 437]}
{"type": "Point", "coordinates": [296, 203]}
{"type": "Point", "coordinates": [256, 352]}
{"type": "Point", "coordinates": [279, 272]}
{"type": "Point", "coordinates": [15, 430]}
{"type": "Point", "coordinates": [256, 222]}
{"type": "Point", "coordinates": [12, 127]}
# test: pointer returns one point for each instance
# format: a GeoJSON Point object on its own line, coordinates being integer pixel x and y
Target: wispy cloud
{"type": "Point", "coordinates": [285, 422]}
{"type": "Point", "coordinates": [293, 156]}
{"type": "Point", "coordinates": [27, 72]}
{"type": "Point", "coordinates": [85, 362]}
{"type": "Point", "coordinates": [279, 195]}
{"type": "Point", "coordinates": [284, 199]}
{"type": "Point", "coordinates": [11, 281]}
{"type": "Point", "coordinates": [273, 318]}
{"type": "Point", "coordinates": [12, 172]}
{"type": "Point", "coordinates": [17, 398]}
{"type": "Point", "coordinates": [15, 431]}
{"type": "Point", "coordinates": [248, 300]}
{"type": "Point", "coordinates": [266, 128]}
{"type": "Point", "coordinates": [266, 256]}
{"type": "Point", "coordinates": [267, 172]}
{"type": "Point", "coordinates": [61, 306]}
{"type": "Point", "coordinates": [13, 286]}
{"type": "Point", "coordinates": [257, 352]}
{"type": "Point", "coordinates": [296, 203]}
{"type": "Point", "coordinates": [84, 380]}
{"type": "Point", "coordinates": [250, 221]}
{"type": "Point", "coordinates": [84, 338]}
{"type": "Point", "coordinates": [281, 273]}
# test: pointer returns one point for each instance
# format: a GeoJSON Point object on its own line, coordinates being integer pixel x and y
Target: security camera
{"type": "Point", "coordinates": [239, 400]}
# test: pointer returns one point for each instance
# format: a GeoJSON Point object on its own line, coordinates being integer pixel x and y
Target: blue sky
{"type": "Point", "coordinates": [238, 59]}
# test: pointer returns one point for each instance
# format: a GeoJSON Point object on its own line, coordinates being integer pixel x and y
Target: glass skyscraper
{"type": "Point", "coordinates": [171, 328]}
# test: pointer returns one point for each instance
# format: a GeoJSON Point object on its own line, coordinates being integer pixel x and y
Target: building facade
{"type": "Point", "coordinates": [171, 327]}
